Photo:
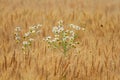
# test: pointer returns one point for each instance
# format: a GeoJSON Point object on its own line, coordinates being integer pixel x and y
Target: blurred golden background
{"type": "Point", "coordinates": [95, 58]}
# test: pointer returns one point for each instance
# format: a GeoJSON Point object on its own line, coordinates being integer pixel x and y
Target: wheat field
{"type": "Point", "coordinates": [97, 57]}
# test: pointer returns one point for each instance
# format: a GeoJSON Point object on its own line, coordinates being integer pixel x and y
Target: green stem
{"type": "Point", "coordinates": [64, 48]}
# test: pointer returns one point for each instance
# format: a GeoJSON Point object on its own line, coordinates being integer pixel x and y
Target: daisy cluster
{"type": "Point", "coordinates": [27, 38]}
{"type": "Point", "coordinates": [63, 39]}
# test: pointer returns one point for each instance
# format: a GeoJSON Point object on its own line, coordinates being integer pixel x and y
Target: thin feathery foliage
{"type": "Point", "coordinates": [63, 40]}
